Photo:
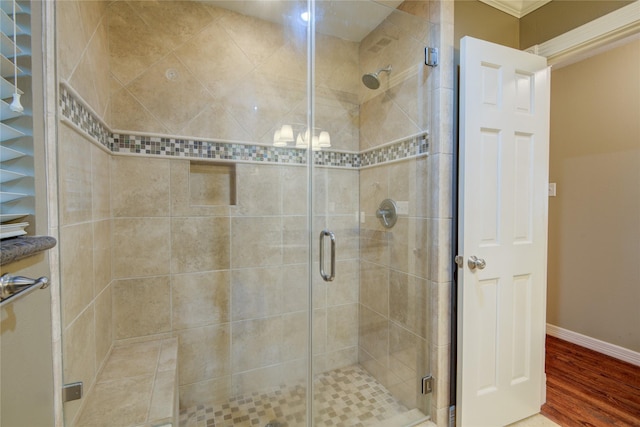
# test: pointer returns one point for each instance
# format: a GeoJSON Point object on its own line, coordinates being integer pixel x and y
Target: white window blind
{"type": "Point", "coordinates": [16, 128]}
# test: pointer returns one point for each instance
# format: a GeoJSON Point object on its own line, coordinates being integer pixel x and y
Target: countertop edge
{"type": "Point", "coordinates": [17, 248]}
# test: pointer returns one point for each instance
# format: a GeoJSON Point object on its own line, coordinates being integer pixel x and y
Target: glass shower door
{"type": "Point", "coordinates": [370, 323]}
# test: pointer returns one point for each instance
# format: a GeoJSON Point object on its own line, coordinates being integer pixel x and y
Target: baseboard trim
{"type": "Point", "coordinates": [612, 350]}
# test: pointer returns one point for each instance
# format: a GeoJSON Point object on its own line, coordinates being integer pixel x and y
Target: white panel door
{"type": "Point", "coordinates": [504, 150]}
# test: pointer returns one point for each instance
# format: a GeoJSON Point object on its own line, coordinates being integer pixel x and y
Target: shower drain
{"type": "Point", "coordinates": [273, 424]}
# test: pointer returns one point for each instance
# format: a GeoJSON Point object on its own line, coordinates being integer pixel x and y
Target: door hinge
{"type": "Point", "coordinates": [431, 56]}
{"type": "Point", "coordinates": [427, 384]}
{"type": "Point", "coordinates": [72, 391]}
{"type": "Point", "coordinates": [452, 416]}
{"type": "Point", "coordinates": [459, 259]}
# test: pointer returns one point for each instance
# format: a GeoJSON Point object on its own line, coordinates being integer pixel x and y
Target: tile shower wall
{"type": "Point", "coordinates": [177, 65]}
{"type": "Point", "coordinates": [136, 110]}
{"type": "Point", "coordinates": [84, 202]}
{"type": "Point", "coordinates": [229, 280]}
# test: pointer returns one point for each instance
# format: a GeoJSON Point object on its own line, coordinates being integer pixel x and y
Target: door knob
{"type": "Point", "coordinates": [475, 262]}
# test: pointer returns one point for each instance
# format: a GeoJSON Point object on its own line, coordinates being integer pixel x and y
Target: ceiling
{"type": "Point", "coordinates": [517, 8]}
{"type": "Point", "coordinates": [347, 19]}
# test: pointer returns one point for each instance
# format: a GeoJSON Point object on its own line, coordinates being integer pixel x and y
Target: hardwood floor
{"type": "Point", "coordinates": [586, 388]}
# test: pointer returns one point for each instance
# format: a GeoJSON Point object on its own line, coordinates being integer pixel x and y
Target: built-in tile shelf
{"type": "Point", "coordinates": [17, 248]}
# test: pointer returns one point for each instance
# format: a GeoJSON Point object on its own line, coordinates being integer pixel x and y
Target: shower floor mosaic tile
{"type": "Point", "coordinates": [347, 397]}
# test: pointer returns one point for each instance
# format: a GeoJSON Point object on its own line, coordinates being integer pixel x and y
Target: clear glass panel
{"type": "Point", "coordinates": [371, 323]}
{"type": "Point", "coordinates": [200, 221]}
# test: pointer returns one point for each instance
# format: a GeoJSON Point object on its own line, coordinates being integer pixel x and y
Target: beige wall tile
{"type": "Point", "coordinates": [294, 288]}
{"type": "Point", "coordinates": [374, 188]}
{"type": "Point", "coordinates": [82, 81]}
{"type": "Point", "coordinates": [258, 39]}
{"type": "Point", "coordinates": [100, 183]}
{"type": "Point", "coordinates": [140, 247]}
{"type": "Point", "coordinates": [140, 187]}
{"type": "Point", "coordinates": [256, 292]}
{"type": "Point", "coordinates": [259, 191]}
{"type": "Point", "coordinates": [294, 190]}
{"type": "Point", "coordinates": [104, 325]}
{"type": "Point", "coordinates": [374, 287]}
{"type": "Point", "coordinates": [224, 127]}
{"type": "Point", "coordinates": [373, 333]}
{"type": "Point", "coordinates": [101, 255]}
{"type": "Point", "coordinates": [76, 267]}
{"type": "Point", "coordinates": [258, 379]}
{"type": "Point", "coordinates": [345, 287]}
{"type": "Point", "coordinates": [74, 177]}
{"type": "Point", "coordinates": [135, 42]}
{"type": "Point", "coordinates": [141, 307]}
{"type": "Point", "coordinates": [409, 302]}
{"type": "Point", "coordinates": [98, 57]}
{"type": "Point", "coordinates": [200, 299]}
{"type": "Point", "coordinates": [295, 239]}
{"type": "Point", "coordinates": [204, 353]}
{"type": "Point", "coordinates": [160, 94]}
{"type": "Point", "coordinates": [341, 358]}
{"type": "Point", "coordinates": [91, 13]}
{"type": "Point", "coordinates": [342, 326]}
{"type": "Point", "coordinates": [71, 37]}
{"type": "Point", "coordinates": [294, 335]}
{"type": "Point", "coordinates": [256, 242]}
{"type": "Point", "coordinates": [201, 55]}
{"type": "Point", "coordinates": [320, 331]}
{"type": "Point", "coordinates": [79, 349]}
{"type": "Point", "coordinates": [128, 114]}
{"type": "Point", "coordinates": [336, 191]}
{"type": "Point", "coordinates": [199, 244]}
{"type": "Point", "coordinates": [256, 343]}
{"type": "Point", "coordinates": [203, 392]}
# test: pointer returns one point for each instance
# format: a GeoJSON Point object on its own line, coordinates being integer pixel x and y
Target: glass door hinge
{"type": "Point", "coordinates": [427, 384]}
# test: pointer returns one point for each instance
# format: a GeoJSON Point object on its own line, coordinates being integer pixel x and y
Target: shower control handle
{"type": "Point", "coordinates": [475, 262]}
{"type": "Point", "coordinates": [328, 277]}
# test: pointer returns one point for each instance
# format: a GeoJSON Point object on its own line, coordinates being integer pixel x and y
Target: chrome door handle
{"type": "Point", "coordinates": [475, 262]}
{"type": "Point", "coordinates": [328, 277]}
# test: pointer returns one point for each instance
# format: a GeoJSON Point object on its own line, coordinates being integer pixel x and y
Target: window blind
{"type": "Point", "coordinates": [16, 128]}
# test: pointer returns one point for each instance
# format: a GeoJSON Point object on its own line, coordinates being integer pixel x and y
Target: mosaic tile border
{"type": "Point", "coordinates": [74, 110]}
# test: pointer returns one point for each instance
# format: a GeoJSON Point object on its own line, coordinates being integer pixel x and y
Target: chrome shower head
{"type": "Point", "coordinates": [371, 80]}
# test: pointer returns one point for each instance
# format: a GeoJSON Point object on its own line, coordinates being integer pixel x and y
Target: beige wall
{"type": "Point", "coordinates": [558, 17]}
{"type": "Point", "coordinates": [476, 19]}
{"type": "Point", "coordinates": [594, 222]}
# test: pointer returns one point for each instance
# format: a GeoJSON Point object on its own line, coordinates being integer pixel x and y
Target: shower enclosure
{"type": "Point", "coordinates": [241, 152]}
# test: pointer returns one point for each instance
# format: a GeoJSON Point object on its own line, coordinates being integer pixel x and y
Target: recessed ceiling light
{"type": "Point", "coordinates": [304, 16]}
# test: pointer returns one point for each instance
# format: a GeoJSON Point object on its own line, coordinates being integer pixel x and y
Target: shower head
{"type": "Point", "coordinates": [371, 80]}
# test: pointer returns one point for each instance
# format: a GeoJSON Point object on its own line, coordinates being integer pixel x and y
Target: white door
{"type": "Point", "coordinates": [504, 148]}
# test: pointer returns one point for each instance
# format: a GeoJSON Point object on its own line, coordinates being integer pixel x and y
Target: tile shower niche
{"type": "Point", "coordinates": [212, 184]}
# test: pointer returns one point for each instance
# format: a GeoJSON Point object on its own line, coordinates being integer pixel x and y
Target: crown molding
{"type": "Point", "coordinates": [517, 8]}
{"type": "Point", "coordinates": [608, 31]}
